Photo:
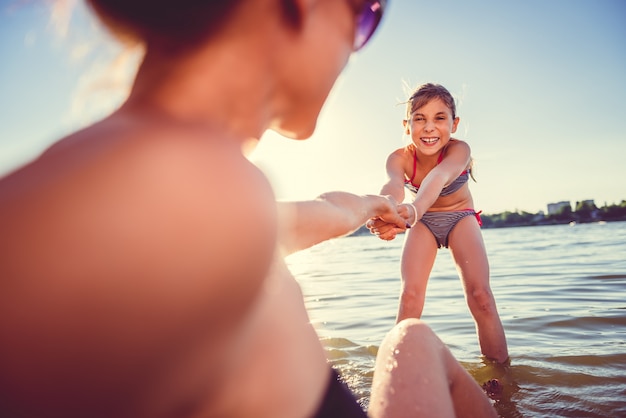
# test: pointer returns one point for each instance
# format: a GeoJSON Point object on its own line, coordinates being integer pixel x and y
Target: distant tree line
{"type": "Point", "coordinates": [584, 211]}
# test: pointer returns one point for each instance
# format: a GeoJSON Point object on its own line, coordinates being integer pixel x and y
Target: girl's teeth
{"type": "Point", "coordinates": [429, 140]}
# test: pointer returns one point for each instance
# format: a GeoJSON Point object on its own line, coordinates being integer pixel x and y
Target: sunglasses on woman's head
{"type": "Point", "coordinates": [367, 20]}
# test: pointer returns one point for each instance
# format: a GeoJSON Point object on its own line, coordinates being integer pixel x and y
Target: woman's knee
{"type": "Point", "coordinates": [412, 325]}
{"type": "Point", "coordinates": [414, 331]}
{"type": "Point", "coordinates": [414, 341]}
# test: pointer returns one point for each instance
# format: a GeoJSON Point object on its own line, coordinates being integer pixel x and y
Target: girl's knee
{"type": "Point", "coordinates": [411, 295]}
{"type": "Point", "coordinates": [481, 296]}
{"type": "Point", "coordinates": [481, 301]}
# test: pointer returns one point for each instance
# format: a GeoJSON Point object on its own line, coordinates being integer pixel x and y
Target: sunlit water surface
{"type": "Point", "coordinates": [561, 294]}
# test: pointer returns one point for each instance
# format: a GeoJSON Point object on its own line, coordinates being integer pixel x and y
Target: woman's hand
{"type": "Point", "coordinates": [387, 230]}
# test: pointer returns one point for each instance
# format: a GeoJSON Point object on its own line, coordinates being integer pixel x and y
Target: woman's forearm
{"type": "Point", "coordinates": [331, 215]}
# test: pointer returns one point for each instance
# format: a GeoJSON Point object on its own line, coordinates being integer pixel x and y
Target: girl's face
{"type": "Point", "coordinates": [431, 126]}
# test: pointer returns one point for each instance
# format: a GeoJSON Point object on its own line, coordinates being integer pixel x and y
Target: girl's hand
{"type": "Point", "coordinates": [383, 229]}
{"type": "Point", "coordinates": [409, 212]}
{"type": "Point", "coordinates": [387, 230]}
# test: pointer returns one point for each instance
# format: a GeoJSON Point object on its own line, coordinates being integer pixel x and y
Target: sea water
{"type": "Point", "coordinates": [561, 295]}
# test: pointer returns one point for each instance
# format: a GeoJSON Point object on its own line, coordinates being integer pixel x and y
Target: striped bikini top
{"type": "Point", "coordinates": [447, 190]}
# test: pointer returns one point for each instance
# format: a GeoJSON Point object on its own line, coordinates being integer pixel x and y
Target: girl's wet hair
{"type": "Point", "coordinates": [170, 25]}
{"type": "Point", "coordinates": [427, 92]}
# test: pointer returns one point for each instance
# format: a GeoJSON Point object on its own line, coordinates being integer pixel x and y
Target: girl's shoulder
{"type": "Point", "coordinates": [457, 143]}
{"type": "Point", "coordinates": [401, 157]}
{"type": "Point", "coordinates": [456, 146]}
{"type": "Point", "coordinates": [406, 152]}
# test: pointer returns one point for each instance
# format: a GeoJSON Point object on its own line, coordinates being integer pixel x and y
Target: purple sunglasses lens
{"type": "Point", "coordinates": [366, 24]}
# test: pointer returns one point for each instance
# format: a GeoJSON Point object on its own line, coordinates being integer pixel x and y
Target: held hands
{"type": "Point", "coordinates": [386, 229]}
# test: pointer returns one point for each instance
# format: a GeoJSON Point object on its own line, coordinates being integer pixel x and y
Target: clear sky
{"type": "Point", "coordinates": [540, 88]}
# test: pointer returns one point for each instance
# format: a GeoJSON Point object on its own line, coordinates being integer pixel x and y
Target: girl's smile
{"type": "Point", "coordinates": [430, 140]}
{"type": "Point", "coordinates": [431, 125]}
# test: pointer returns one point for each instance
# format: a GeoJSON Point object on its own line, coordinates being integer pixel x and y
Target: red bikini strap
{"type": "Point", "coordinates": [444, 149]}
{"type": "Point", "coordinates": [414, 165]}
{"type": "Point", "coordinates": [480, 221]}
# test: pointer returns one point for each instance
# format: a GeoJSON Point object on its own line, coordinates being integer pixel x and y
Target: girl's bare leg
{"type": "Point", "coordinates": [468, 250]}
{"type": "Point", "coordinates": [417, 376]}
{"type": "Point", "coordinates": [418, 256]}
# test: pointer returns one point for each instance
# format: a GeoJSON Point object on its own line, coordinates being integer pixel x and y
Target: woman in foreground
{"type": "Point", "coordinates": [142, 257]}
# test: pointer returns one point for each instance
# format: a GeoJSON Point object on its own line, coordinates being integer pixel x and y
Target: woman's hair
{"type": "Point", "coordinates": [427, 92]}
{"type": "Point", "coordinates": [170, 24]}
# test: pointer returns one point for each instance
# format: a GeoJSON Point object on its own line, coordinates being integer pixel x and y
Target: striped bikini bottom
{"type": "Point", "coordinates": [441, 224]}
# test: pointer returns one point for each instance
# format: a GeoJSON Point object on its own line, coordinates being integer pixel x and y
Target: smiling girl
{"type": "Point", "coordinates": [435, 168]}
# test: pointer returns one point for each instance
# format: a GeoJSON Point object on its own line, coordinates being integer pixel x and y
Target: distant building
{"type": "Point", "coordinates": [554, 208]}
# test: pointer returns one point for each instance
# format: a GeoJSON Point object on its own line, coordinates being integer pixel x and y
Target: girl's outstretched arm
{"type": "Point", "coordinates": [394, 187]}
{"type": "Point", "coordinates": [395, 176]}
{"type": "Point", "coordinates": [456, 160]}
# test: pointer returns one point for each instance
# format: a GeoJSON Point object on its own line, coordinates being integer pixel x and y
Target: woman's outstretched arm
{"type": "Point", "coordinates": [331, 215]}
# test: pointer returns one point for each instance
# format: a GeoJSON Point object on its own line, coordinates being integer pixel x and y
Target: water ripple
{"type": "Point", "coordinates": [561, 294]}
